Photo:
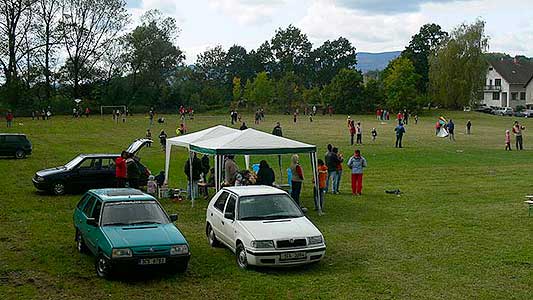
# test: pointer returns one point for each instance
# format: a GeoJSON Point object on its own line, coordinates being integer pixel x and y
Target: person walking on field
{"type": "Point", "coordinates": [359, 134]}
{"type": "Point", "coordinates": [451, 128]}
{"type": "Point", "coordinates": [357, 163]}
{"type": "Point", "coordinates": [322, 177]}
{"type": "Point", "coordinates": [468, 126]}
{"type": "Point", "coordinates": [351, 127]}
{"type": "Point", "coordinates": [9, 119]}
{"type": "Point", "coordinates": [163, 139]}
{"type": "Point", "coordinates": [337, 182]}
{"type": "Point", "coordinates": [517, 130]}
{"type": "Point", "coordinates": [507, 140]}
{"type": "Point", "coordinates": [120, 170]}
{"type": "Point", "coordinates": [297, 178]}
{"type": "Point", "coordinates": [400, 130]}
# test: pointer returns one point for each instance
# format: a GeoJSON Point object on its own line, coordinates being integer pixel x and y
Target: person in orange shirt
{"type": "Point", "coordinates": [322, 178]}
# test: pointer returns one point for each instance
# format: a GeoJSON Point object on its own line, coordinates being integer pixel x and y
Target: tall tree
{"type": "Point", "coordinates": [151, 56]}
{"type": "Point", "coordinates": [88, 28]}
{"type": "Point", "coordinates": [212, 65]}
{"type": "Point", "coordinates": [421, 47]}
{"type": "Point", "coordinates": [262, 90]}
{"type": "Point", "coordinates": [291, 49]}
{"type": "Point", "coordinates": [345, 92]}
{"type": "Point", "coordinates": [458, 69]}
{"type": "Point", "coordinates": [237, 89]}
{"type": "Point", "coordinates": [238, 63]}
{"type": "Point", "coordinates": [330, 58]}
{"type": "Point", "coordinates": [400, 84]}
{"type": "Point", "coordinates": [15, 22]}
{"type": "Point", "coordinates": [47, 17]}
{"type": "Point", "coordinates": [289, 91]}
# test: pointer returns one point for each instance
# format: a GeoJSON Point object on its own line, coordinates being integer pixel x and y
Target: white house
{"type": "Point", "coordinates": [509, 83]}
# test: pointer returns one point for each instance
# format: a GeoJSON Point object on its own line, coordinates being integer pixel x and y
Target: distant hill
{"type": "Point", "coordinates": [367, 61]}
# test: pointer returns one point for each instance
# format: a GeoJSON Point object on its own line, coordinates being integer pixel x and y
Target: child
{"type": "Point", "coordinates": [149, 136]}
{"type": "Point", "coordinates": [181, 130]}
{"type": "Point", "coordinates": [151, 185]}
{"type": "Point", "coordinates": [374, 134]}
{"type": "Point", "coordinates": [322, 178]}
{"type": "Point", "coordinates": [507, 140]}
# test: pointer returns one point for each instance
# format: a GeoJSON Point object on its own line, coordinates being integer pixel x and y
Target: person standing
{"type": "Point", "coordinates": [87, 112]}
{"type": "Point", "coordinates": [133, 172]}
{"type": "Point", "coordinates": [332, 160]}
{"type": "Point", "coordinates": [151, 114]}
{"type": "Point", "coordinates": [265, 174]}
{"type": "Point", "coordinates": [374, 134]}
{"type": "Point", "coordinates": [322, 177]}
{"type": "Point", "coordinates": [163, 139]}
{"type": "Point", "coordinates": [351, 127]}
{"type": "Point", "coordinates": [468, 126]}
{"type": "Point", "coordinates": [314, 110]}
{"type": "Point", "coordinates": [400, 130]}
{"type": "Point", "coordinates": [205, 166]}
{"type": "Point", "coordinates": [297, 178]}
{"type": "Point", "coordinates": [148, 135]}
{"type": "Point", "coordinates": [295, 116]}
{"type": "Point", "coordinates": [359, 134]}
{"type": "Point", "coordinates": [337, 182]}
{"type": "Point", "coordinates": [451, 129]}
{"type": "Point", "coordinates": [277, 130]}
{"type": "Point", "coordinates": [230, 170]}
{"type": "Point", "coordinates": [507, 140]}
{"type": "Point", "coordinates": [120, 169]}
{"type": "Point", "coordinates": [416, 119]}
{"type": "Point", "coordinates": [9, 119]}
{"type": "Point", "coordinates": [356, 164]}
{"type": "Point", "coordinates": [517, 130]}
{"type": "Point", "coordinates": [194, 169]}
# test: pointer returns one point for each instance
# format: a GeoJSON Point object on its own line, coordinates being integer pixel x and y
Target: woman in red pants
{"type": "Point", "coordinates": [357, 163]}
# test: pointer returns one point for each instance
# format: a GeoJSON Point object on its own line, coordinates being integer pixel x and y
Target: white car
{"type": "Point", "coordinates": [263, 226]}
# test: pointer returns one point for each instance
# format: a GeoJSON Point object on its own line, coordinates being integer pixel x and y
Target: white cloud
{"type": "Point", "coordinates": [376, 32]}
{"type": "Point", "coordinates": [248, 12]}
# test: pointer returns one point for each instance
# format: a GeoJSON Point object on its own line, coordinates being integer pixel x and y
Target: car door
{"type": "Point", "coordinates": [84, 228]}
{"type": "Point", "coordinates": [3, 146]}
{"type": "Point", "coordinates": [94, 235]}
{"type": "Point", "coordinates": [217, 215]}
{"type": "Point", "coordinates": [228, 222]}
{"type": "Point", "coordinates": [103, 173]}
{"type": "Point", "coordinates": [83, 175]}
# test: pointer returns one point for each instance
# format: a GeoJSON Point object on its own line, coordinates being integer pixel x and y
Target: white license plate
{"type": "Point", "coordinates": [152, 261]}
{"type": "Point", "coordinates": [292, 255]}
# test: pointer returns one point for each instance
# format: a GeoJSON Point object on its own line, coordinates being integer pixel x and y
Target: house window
{"type": "Point", "coordinates": [522, 95]}
{"type": "Point", "coordinates": [514, 96]}
{"type": "Point", "coordinates": [497, 82]}
{"type": "Point", "coordinates": [495, 96]}
{"type": "Point", "coordinates": [490, 82]}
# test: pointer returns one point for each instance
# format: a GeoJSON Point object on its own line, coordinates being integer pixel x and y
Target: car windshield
{"type": "Point", "coordinates": [133, 213]}
{"type": "Point", "coordinates": [74, 162]}
{"type": "Point", "coordinates": [268, 207]}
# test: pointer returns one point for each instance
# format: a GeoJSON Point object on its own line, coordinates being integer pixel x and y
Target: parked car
{"type": "Point", "coordinates": [263, 226]}
{"type": "Point", "coordinates": [483, 109]}
{"type": "Point", "coordinates": [528, 113]}
{"type": "Point", "coordinates": [14, 144]}
{"type": "Point", "coordinates": [87, 171]}
{"type": "Point", "coordinates": [504, 111]}
{"type": "Point", "coordinates": [127, 229]}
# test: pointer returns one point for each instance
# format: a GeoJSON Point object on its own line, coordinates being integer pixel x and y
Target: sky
{"type": "Point", "coordinates": [370, 25]}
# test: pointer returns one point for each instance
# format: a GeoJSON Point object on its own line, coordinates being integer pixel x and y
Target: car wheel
{"type": "Point", "coordinates": [242, 260]}
{"type": "Point", "coordinates": [103, 266]}
{"type": "Point", "coordinates": [211, 238]}
{"type": "Point", "coordinates": [80, 243]}
{"type": "Point", "coordinates": [58, 188]}
{"type": "Point", "coordinates": [20, 154]}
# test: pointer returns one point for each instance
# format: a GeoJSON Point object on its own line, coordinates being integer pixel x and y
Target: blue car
{"type": "Point", "coordinates": [126, 228]}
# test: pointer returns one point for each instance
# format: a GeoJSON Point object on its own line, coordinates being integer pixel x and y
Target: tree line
{"type": "Point", "coordinates": [60, 50]}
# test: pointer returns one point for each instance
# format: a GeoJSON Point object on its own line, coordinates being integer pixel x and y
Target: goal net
{"type": "Point", "coordinates": [111, 109]}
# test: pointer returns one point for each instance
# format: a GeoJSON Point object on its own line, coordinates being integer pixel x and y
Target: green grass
{"type": "Point", "coordinates": [459, 231]}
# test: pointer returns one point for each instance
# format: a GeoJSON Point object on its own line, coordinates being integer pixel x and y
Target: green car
{"type": "Point", "coordinates": [128, 229]}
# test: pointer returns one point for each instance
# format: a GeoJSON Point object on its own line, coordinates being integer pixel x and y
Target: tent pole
{"type": "Point", "coordinates": [167, 159]}
{"type": "Point", "coordinates": [217, 182]}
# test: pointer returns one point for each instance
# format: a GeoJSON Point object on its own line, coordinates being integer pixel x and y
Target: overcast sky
{"type": "Point", "coordinates": [371, 25]}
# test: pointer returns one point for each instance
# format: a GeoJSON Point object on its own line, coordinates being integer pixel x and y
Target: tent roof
{"type": "Point", "coordinates": [250, 141]}
{"type": "Point", "coordinates": [187, 139]}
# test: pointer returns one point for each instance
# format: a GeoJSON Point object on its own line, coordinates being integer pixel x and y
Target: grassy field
{"type": "Point", "coordinates": [459, 230]}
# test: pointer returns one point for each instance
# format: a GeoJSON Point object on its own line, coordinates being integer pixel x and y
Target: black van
{"type": "Point", "coordinates": [14, 144]}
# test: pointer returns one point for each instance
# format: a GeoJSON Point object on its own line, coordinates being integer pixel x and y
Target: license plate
{"type": "Point", "coordinates": [292, 255]}
{"type": "Point", "coordinates": [152, 261]}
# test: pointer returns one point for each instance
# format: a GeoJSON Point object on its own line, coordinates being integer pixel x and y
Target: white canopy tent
{"type": "Point", "coordinates": [252, 142]}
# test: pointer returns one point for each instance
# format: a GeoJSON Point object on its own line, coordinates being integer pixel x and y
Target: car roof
{"type": "Point", "coordinates": [121, 194]}
{"type": "Point", "coordinates": [22, 134]}
{"type": "Point", "coordinates": [251, 190]}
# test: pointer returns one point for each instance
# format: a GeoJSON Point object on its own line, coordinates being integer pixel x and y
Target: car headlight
{"type": "Point", "coordinates": [179, 249]}
{"type": "Point", "coordinates": [263, 244]}
{"type": "Point", "coordinates": [313, 240]}
{"type": "Point", "coordinates": [120, 253]}
{"type": "Point", "coordinates": [39, 178]}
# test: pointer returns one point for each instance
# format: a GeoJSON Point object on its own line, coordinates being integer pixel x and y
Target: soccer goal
{"type": "Point", "coordinates": [112, 108]}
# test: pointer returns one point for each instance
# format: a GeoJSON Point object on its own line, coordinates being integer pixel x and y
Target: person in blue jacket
{"type": "Point", "coordinates": [400, 130]}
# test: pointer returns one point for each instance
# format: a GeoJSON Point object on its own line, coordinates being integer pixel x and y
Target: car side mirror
{"type": "Point", "coordinates": [229, 215]}
{"type": "Point", "coordinates": [304, 210]}
{"type": "Point", "coordinates": [173, 217]}
{"type": "Point", "coordinates": [91, 222]}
